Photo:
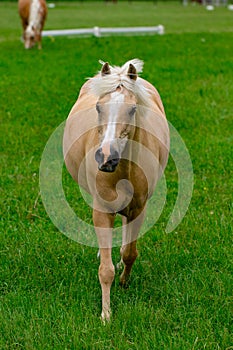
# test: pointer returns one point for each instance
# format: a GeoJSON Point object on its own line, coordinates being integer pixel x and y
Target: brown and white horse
{"type": "Point", "coordinates": [116, 146]}
{"type": "Point", "coordinates": [33, 15]}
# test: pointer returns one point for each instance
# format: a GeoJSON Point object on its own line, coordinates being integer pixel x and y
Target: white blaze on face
{"type": "Point", "coordinates": [29, 33]}
{"type": "Point", "coordinates": [115, 104]}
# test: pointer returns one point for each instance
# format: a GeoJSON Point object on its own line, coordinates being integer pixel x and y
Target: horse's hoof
{"type": "Point", "coordinates": [105, 317]}
{"type": "Point", "coordinates": [119, 265]}
{"type": "Point", "coordinates": [124, 281]}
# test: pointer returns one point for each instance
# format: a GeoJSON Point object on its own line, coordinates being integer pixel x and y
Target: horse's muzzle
{"type": "Point", "coordinates": [110, 165]}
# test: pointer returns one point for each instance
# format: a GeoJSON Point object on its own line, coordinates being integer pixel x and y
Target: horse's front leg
{"type": "Point", "coordinates": [129, 253]}
{"type": "Point", "coordinates": [103, 226]}
{"type": "Point", "coordinates": [39, 41]}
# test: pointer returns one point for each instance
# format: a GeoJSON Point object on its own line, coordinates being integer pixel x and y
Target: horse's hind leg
{"type": "Point", "coordinates": [129, 251]}
{"type": "Point", "coordinates": [128, 255]}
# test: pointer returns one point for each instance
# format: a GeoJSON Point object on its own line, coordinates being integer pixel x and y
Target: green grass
{"type": "Point", "coordinates": [180, 296]}
{"type": "Point", "coordinates": [175, 17]}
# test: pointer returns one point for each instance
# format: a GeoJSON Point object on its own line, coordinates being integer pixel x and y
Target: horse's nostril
{"type": "Point", "coordinates": [114, 158]}
{"type": "Point", "coordinates": [110, 165]}
{"type": "Point", "coordinates": [113, 162]}
{"type": "Point", "coordinates": [114, 155]}
{"type": "Point", "coordinates": [99, 156]}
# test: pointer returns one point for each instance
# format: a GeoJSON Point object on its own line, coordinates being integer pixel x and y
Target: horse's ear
{"type": "Point", "coordinates": [105, 69]}
{"type": "Point", "coordinates": [132, 73]}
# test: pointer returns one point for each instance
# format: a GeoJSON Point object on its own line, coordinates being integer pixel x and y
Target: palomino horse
{"type": "Point", "coordinates": [116, 146]}
{"type": "Point", "coordinates": [33, 14]}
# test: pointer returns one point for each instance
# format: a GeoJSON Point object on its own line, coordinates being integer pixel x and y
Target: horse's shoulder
{"type": "Point", "coordinates": [24, 5]}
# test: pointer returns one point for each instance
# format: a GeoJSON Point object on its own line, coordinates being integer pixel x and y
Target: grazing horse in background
{"type": "Point", "coordinates": [33, 15]}
{"type": "Point", "coordinates": [116, 146]}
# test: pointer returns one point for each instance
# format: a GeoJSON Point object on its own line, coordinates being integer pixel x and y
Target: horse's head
{"type": "Point", "coordinates": [116, 122]}
{"type": "Point", "coordinates": [29, 37]}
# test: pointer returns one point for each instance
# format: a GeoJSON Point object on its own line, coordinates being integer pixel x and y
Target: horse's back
{"type": "Point", "coordinates": [80, 132]}
{"type": "Point", "coordinates": [154, 95]}
{"type": "Point", "coordinates": [154, 131]}
{"type": "Point", "coordinates": [86, 100]}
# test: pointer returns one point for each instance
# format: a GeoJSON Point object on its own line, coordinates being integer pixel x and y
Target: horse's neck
{"type": "Point", "coordinates": [132, 151]}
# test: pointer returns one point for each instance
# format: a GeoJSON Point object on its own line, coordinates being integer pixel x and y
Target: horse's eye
{"type": "Point", "coordinates": [132, 111]}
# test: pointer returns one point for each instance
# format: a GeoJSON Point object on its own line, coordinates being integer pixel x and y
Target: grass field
{"type": "Point", "coordinates": [180, 295]}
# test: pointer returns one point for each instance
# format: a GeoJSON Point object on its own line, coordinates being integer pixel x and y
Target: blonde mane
{"type": "Point", "coordinates": [103, 84]}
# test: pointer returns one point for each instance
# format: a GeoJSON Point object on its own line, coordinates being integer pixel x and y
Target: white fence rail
{"type": "Point", "coordinates": [98, 31]}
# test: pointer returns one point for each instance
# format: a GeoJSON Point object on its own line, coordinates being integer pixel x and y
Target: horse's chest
{"type": "Point", "coordinates": [121, 194]}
